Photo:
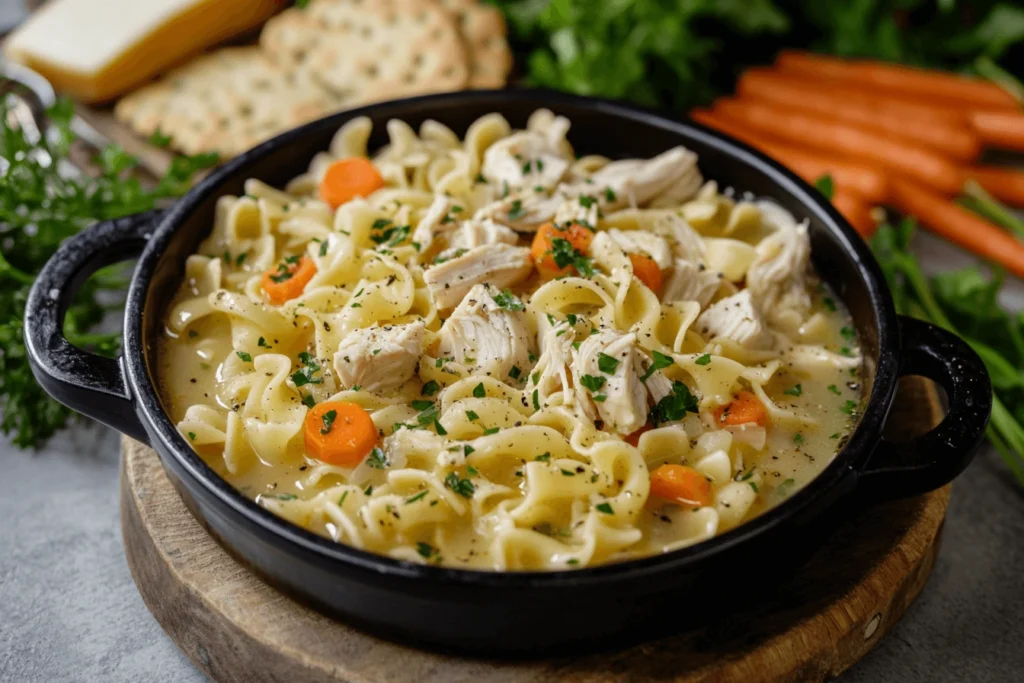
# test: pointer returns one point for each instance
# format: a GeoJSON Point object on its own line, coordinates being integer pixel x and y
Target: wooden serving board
{"type": "Point", "coordinates": [234, 627]}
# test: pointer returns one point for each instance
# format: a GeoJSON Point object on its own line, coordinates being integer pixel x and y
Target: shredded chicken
{"type": "Point", "coordinates": [621, 399]}
{"type": "Point", "coordinates": [528, 159]}
{"type": "Point", "coordinates": [643, 242]}
{"type": "Point", "coordinates": [690, 282]}
{"type": "Point", "coordinates": [379, 359]}
{"type": "Point", "coordinates": [485, 337]}
{"type": "Point", "coordinates": [737, 319]}
{"type": "Point", "coordinates": [522, 211]}
{"type": "Point", "coordinates": [551, 373]}
{"type": "Point", "coordinates": [471, 234]}
{"type": "Point", "coordinates": [776, 278]}
{"type": "Point", "coordinates": [636, 182]}
{"type": "Point", "coordinates": [500, 265]}
{"type": "Point", "coordinates": [424, 232]}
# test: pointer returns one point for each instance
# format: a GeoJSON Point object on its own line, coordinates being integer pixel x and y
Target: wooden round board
{"type": "Point", "coordinates": [234, 627]}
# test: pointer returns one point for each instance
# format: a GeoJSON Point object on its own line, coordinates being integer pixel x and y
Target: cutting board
{"type": "Point", "coordinates": [234, 627]}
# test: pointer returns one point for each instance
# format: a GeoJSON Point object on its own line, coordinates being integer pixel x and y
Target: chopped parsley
{"type": "Point", "coordinates": [244, 356]}
{"type": "Point", "coordinates": [305, 375]}
{"type": "Point", "coordinates": [850, 407]}
{"type": "Point", "coordinates": [798, 438]}
{"type": "Point", "coordinates": [795, 390]}
{"type": "Point", "coordinates": [565, 256]}
{"type": "Point", "coordinates": [606, 508]}
{"type": "Point", "coordinates": [463, 487]}
{"type": "Point", "coordinates": [674, 406]}
{"type": "Point", "coordinates": [492, 430]}
{"type": "Point", "coordinates": [592, 383]}
{"type": "Point", "coordinates": [308, 400]}
{"type": "Point", "coordinates": [263, 343]}
{"type": "Point", "coordinates": [609, 194]}
{"type": "Point", "coordinates": [419, 496]}
{"type": "Point", "coordinates": [517, 211]}
{"type": "Point", "coordinates": [515, 372]}
{"type": "Point", "coordinates": [159, 139]}
{"type": "Point", "coordinates": [606, 363]}
{"type": "Point", "coordinates": [426, 550]}
{"type": "Point", "coordinates": [543, 457]}
{"type": "Point", "coordinates": [849, 334]}
{"type": "Point", "coordinates": [472, 415]}
{"type": "Point", "coordinates": [377, 460]}
{"type": "Point", "coordinates": [509, 301]}
{"type": "Point", "coordinates": [661, 361]}
{"type": "Point", "coordinates": [420, 406]}
{"type": "Point", "coordinates": [703, 360]}
{"type": "Point", "coordinates": [479, 391]}
{"type": "Point", "coordinates": [430, 388]}
{"type": "Point", "coordinates": [323, 248]}
{"type": "Point", "coordinates": [586, 201]}
{"type": "Point", "coordinates": [835, 390]}
{"type": "Point", "coordinates": [536, 400]}
{"type": "Point", "coordinates": [328, 419]}
{"type": "Point", "coordinates": [830, 304]}
{"type": "Point", "coordinates": [191, 436]}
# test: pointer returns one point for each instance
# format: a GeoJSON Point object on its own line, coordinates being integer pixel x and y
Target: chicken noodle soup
{"type": "Point", "coordinates": [494, 353]}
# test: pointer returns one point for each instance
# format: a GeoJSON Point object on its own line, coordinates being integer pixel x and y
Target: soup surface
{"type": "Point", "coordinates": [495, 353]}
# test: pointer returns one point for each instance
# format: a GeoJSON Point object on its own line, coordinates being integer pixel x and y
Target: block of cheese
{"type": "Point", "coordinates": [96, 50]}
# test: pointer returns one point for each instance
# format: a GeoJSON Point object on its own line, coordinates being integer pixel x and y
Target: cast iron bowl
{"type": "Point", "coordinates": [522, 613]}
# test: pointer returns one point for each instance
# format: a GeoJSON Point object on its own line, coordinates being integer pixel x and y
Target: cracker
{"type": "Point", "coordinates": [483, 29]}
{"type": "Point", "coordinates": [371, 50]}
{"type": "Point", "coordinates": [225, 101]}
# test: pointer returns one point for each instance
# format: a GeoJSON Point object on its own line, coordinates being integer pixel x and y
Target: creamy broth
{"type": "Point", "coordinates": [518, 426]}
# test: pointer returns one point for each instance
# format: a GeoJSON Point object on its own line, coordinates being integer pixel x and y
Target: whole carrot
{"type": "Point", "coordinates": [1005, 184]}
{"type": "Point", "coordinates": [861, 179]}
{"type": "Point", "coordinates": [956, 224]}
{"type": "Point", "coordinates": [761, 81]}
{"type": "Point", "coordinates": [856, 211]}
{"type": "Point", "coordinates": [920, 83]}
{"type": "Point", "coordinates": [955, 140]}
{"type": "Point", "coordinates": [848, 140]}
{"type": "Point", "coordinates": [1003, 130]}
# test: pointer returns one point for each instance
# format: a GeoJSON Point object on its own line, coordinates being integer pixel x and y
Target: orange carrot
{"type": "Point", "coordinates": [856, 211]}
{"type": "Point", "coordinates": [844, 139]}
{"type": "Point", "coordinates": [744, 408]}
{"type": "Point", "coordinates": [543, 243]}
{"type": "Point", "coordinates": [1003, 130]}
{"type": "Point", "coordinates": [922, 84]}
{"type": "Point", "coordinates": [955, 140]}
{"type": "Point", "coordinates": [349, 178]}
{"type": "Point", "coordinates": [287, 279]}
{"type": "Point", "coordinates": [339, 433]}
{"type": "Point", "coordinates": [810, 165]}
{"type": "Point", "coordinates": [956, 224]}
{"type": "Point", "coordinates": [646, 270]}
{"type": "Point", "coordinates": [681, 484]}
{"type": "Point", "coordinates": [758, 83]}
{"type": "Point", "coordinates": [1005, 184]}
{"type": "Point", "coordinates": [634, 438]}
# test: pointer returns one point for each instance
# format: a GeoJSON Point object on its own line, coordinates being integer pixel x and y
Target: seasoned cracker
{"type": "Point", "coordinates": [483, 29]}
{"type": "Point", "coordinates": [371, 50]}
{"type": "Point", "coordinates": [225, 101]}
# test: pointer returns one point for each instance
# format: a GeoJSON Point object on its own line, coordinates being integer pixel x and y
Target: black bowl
{"type": "Point", "coordinates": [520, 613]}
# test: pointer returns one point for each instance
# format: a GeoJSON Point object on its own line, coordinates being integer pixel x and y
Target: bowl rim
{"type": "Point", "coordinates": [292, 538]}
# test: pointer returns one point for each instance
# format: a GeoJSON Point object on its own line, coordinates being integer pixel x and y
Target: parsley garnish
{"type": "Point", "coordinates": [515, 372]}
{"type": "Point", "coordinates": [463, 487]}
{"type": "Point", "coordinates": [244, 356]}
{"type": "Point", "coordinates": [192, 436]}
{"type": "Point", "coordinates": [472, 415]}
{"type": "Point", "coordinates": [565, 255]}
{"type": "Point", "coordinates": [849, 407]}
{"type": "Point", "coordinates": [848, 333]}
{"type": "Point", "coordinates": [420, 406]}
{"type": "Point", "coordinates": [661, 361]}
{"type": "Point", "coordinates": [795, 390]}
{"type": "Point", "coordinates": [835, 390]}
{"type": "Point", "coordinates": [674, 406]}
{"type": "Point", "coordinates": [592, 383]}
{"type": "Point", "coordinates": [263, 343]}
{"type": "Point", "coordinates": [419, 496]}
{"type": "Point", "coordinates": [377, 460]}
{"type": "Point", "coordinates": [543, 457]}
{"type": "Point", "coordinates": [606, 363]}
{"type": "Point", "coordinates": [305, 375]}
{"type": "Point", "coordinates": [328, 420]}
{"type": "Point", "coordinates": [536, 401]}
{"type": "Point", "coordinates": [479, 391]}
{"type": "Point", "coordinates": [425, 550]}
{"type": "Point", "coordinates": [507, 300]}
{"type": "Point", "coordinates": [492, 430]}
{"type": "Point", "coordinates": [606, 508]}
{"type": "Point", "coordinates": [703, 360]}
{"type": "Point", "coordinates": [430, 388]}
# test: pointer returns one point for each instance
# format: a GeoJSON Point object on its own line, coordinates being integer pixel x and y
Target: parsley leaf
{"type": "Point", "coordinates": [674, 406]}
{"type": "Point", "coordinates": [606, 363]}
{"type": "Point", "coordinates": [507, 300]}
{"type": "Point", "coordinates": [463, 487]}
{"type": "Point", "coordinates": [661, 361]}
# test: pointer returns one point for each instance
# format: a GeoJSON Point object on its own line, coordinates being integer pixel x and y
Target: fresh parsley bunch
{"type": "Point", "coordinates": [40, 207]}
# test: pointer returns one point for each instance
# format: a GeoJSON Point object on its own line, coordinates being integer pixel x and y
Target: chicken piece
{"type": "Point", "coordinates": [616, 395]}
{"type": "Point", "coordinates": [524, 211]}
{"type": "Point", "coordinates": [500, 265]}
{"type": "Point", "coordinates": [472, 234]}
{"type": "Point", "coordinates": [551, 373]}
{"type": "Point", "coordinates": [643, 242]}
{"type": "Point", "coordinates": [686, 242]}
{"type": "Point", "coordinates": [776, 278]}
{"type": "Point", "coordinates": [578, 210]}
{"type": "Point", "coordinates": [690, 282]}
{"type": "Point", "coordinates": [379, 359]}
{"type": "Point", "coordinates": [635, 182]}
{"type": "Point", "coordinates": [486, 337]}
{"type": "Point", "coordinates": [528, 159]}
{"type": "Point", "coordinates": [737, 319]}
{"type": "Point", "coordinates": [431, 221]}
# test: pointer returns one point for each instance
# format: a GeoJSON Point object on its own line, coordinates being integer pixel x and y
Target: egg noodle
{"type": "Point", "coordinates": [521, 416]}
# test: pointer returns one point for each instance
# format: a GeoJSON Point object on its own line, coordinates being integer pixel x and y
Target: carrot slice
{"type": "Point", "coordinates": [1003, 130]}
{"type": "Point", "coordinates": [349, 178]}
{"type": "Point", "coordinates": [921, 84]}
{"type": "Point", "coordinates": [1005, 184]}
{"type": "Point", "coordinates": [810, 165]}
{"type": "Point", "coordinates": [744, 408]}
{"type": "Point", "coordinates": [955, 223]}
{"type": "Point", "coordinates": [634, 438]}
{"type": "Point", "coordinates": [856, 211]}
{"type": "Point", "coordinates": [287, 279]}
{"type": "Point", "coordinates": [339, 433]}
{"type": "Point", "coordinates": [955, 140]}
{"type": "Point", "coordinates": [681, 484]}
{"type": "Point", "coordinates": [575, 234]}
{"type": "Point", "coordinates": [845, 139]}
{"type": "Point", "coordinates": [646, 270]}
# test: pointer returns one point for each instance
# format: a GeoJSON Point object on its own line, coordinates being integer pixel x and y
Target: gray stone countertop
{"type": "Point", "coordinates": [69, 610]}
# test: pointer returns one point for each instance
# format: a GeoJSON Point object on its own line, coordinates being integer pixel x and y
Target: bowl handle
{"type": "Point", "coordinates": [932, 460]}
{"type": "Point", "coordinates": [90, 384]}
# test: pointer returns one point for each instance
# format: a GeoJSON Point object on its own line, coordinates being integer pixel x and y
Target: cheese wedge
{"type": "Point", "coordinates": [96, 50]}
